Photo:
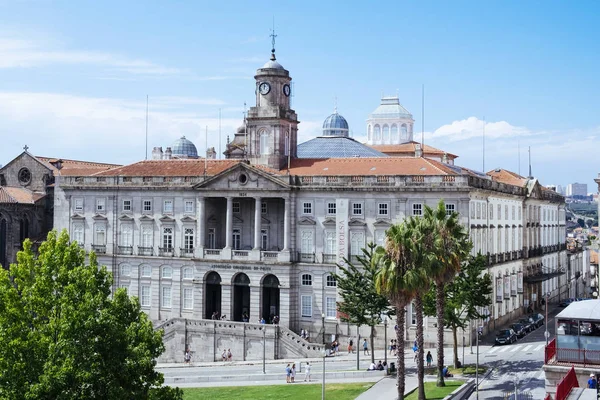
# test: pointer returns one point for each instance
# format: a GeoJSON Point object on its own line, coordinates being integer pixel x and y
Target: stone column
{"type": "Point", "coordinates": [286, 225]}
{"type": "Point", "coordinates": [201, 227]}
{"type": "Point", "coordinates": [226, 253]}
{"type": "Point", "coordinates": [257, 222]}
{"type": "Point", "coordinates": [255, 306]}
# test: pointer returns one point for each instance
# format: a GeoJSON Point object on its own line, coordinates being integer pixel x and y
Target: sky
{"type": "Point", "coordinates": [74, 76]}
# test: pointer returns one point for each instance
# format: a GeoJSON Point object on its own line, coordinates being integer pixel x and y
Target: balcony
{"type": "Point", "coordinates": [329, 258]}
{"type": "Point", "coordinates": [186, 252]}
{"type": "Point", "coordinates": [99, 248]}
{"type": "Point", "coordinates": [125, 250]}
{"type": "Point", "coordinates": [166, 252]}
{"type": "Point", "coordinates": [214, 254]}
{"type": "Point", "coordinates": [306, 257]}
{"type": "Point", "coordinates": [240, 254]}
{"type": "Point", "coordinates": [269, 255]}
{"type": "Point", "coordinates": [145, 251]}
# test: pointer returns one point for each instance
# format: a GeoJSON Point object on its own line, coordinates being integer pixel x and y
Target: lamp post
{"type": "Point", "coordinates": [385, 321]}
{"type": "Point", "coordinates": [264, 348]}
{"type": "Point", "coordinates": [323, 323]}
{"type": "Point", "coordinates": [547, 334]}
{"type": "Point", "coordinates": [479, 333]}
{"type": "Point", "coordinates": [324, 354]}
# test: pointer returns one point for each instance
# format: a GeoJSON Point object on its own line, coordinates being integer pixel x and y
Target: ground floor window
{"type": "Point", "coordinates": [307, 306]}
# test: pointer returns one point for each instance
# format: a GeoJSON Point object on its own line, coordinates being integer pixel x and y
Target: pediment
{"type": "Point", "coordinates": [242, 177]}
{"type": "Point", "coordinates": [306, 221]}
{"type": "Point", "coordinates": [188, 218]}
{"type": "Point", "coordinates": [265, 221]}
{"type": "Point", "coordinates": [146, 218]}
{"type": "Point", "coordinates": [166, 218]}
{"type": "Point", "coordinates": [534, 190]}
{"type": "Point", "coordinates": [329, 221]}
{"type": "Point", "coordinates": [382, 222]}
{"type": "Point", "coordinates": [125, 217]}
{"type": "Point", "coordinates": [357, 222]}
{"type": "Point", "coordinates": [77, 216]}
{"type": "Point", "coordinates": [99, 217]}
{"type": "Point", "coordinates": [237, 220]}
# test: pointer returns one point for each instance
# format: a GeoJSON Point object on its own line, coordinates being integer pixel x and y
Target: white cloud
{"type": "Point", "coordinates": [473, 127]}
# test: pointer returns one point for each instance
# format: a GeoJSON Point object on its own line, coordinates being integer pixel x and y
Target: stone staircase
{"type": "Point", "coordinates": [291, 345]}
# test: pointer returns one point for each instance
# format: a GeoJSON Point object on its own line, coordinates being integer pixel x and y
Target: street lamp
{"type": "Point", "coordinates": [323, 323]}
{"type": "Point", "coordinates": [547, 334]}
{"type": "Point", "coordinates": [385, 321]}
{"type": "Point", "coordinates": [324, 354]}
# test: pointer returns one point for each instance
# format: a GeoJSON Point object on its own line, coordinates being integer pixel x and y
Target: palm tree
{"type": "Point", "coordinates": [401, 279]}
{"type": "Point", "coordinates": [451, 246]}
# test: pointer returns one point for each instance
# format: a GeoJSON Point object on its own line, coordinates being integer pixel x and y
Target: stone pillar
{"type": "Point", "coordinates": [257, 222]}
{"type": "Point", "coordinates": [201, 227]}
{"type": "Point", "coordinates": [227, 300]}
{"type": "Point", "coordinates": [255, 306]}
{"type": "Point", "coordinates": [226, 253]}
{"type": "Point", "coordinates": [286, 225]}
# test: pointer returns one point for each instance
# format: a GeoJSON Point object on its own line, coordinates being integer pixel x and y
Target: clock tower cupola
{"type": "Point", "coordinates": [272, 125]}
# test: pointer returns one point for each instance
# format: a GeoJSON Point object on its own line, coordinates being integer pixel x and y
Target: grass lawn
{"type": "Point", "coordinates": [433, 392]}
{"type": "Point", "coordinates": [293, 391]}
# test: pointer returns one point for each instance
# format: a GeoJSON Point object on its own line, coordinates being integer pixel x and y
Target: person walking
{"type": "Point", "coordinates": [365, 347]}
{"type": "Point", "coordinates": [429, 358]}
{"type": "Point", "coordinates": [307, 372]}
{"type": "Point", "coordinates": [229, 355]}
{"type": "Point", "coordinates": [592, 383]}
{"type": "Point", "coordinates": [288, 374]}
{"type": "Point", "coordinates": [350, 343]}
{"type": "Point", "coordinates": [293, 373]}
{"type": "Point", "coordinates": [187, 356]}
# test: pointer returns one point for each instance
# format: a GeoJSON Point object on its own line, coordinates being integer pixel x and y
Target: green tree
{"type": "Point", "coordinates": [451, 247]}
{"type": "Point", "coordinates": [62, 336]}
{"type": "Point", "coordinates": [361, 303]}
{"type": "Point", "coordinates": [465, 296]}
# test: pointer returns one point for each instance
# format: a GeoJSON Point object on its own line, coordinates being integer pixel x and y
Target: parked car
{"type": "Point", "coordinates": [506, 336]}
{"type": "Point", "coordinates": [527, 324]}
{"type": "Point", "coordinates": [538, 319]}
{"type": "Point", "coordinates": [566, 302]}
{"type": "Point", "coordinates": [519, 329]}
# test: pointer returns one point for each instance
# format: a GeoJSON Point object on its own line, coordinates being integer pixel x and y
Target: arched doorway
{"type": "Point", "coordinates": [3, 243]}
{"type": "Point", "coordinates": [270, 298]}
{"type": "Point", "coordinates": [241, 297]}
{"type": "Point", "coordinates": [212, 302]}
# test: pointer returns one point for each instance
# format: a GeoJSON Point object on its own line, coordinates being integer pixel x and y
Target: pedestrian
{"type": "Point", "coordinates": [293, 373]}
{"type": "Point", "coordinates": [187, 356]}
{"type": "Point", "coordinates": [350, 343]}
{"type": "Point", "coordinates": [429, 358]}
{"type": "Point", "coordinates": [224, 355]}
{"type": "Point", "coordinates": [365, 347]}
{"type": "Point", "coordinates": [592, 383]}
{"type": "Point", "coordinates": [229, 355]}
{"type": "Point", "coordinates": [307, 372]}
{"type": "Point", "coordinates": [288, 374]}
{"type": "Point", "coordinates": [302, 333]}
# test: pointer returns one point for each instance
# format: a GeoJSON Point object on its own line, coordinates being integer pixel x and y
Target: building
{"type": "Point", "coordinates": [577, 189]}
{"type": "Point", "coordinates": [26, 198]}
{"type": "Point", "coordinates": [258, 234]}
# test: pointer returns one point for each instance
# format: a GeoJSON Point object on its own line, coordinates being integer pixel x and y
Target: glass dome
{"type": "Point", "coordinates": [335, 125]}
{"type": "Point", "coordinates": [183, 148]}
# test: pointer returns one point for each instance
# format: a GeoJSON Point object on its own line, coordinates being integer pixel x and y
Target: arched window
{"type": "Point", "coordinates": [307, 280]}
{"type": "Point", "coordinates": [264, 143]}
{"type": "Point", "coordinates": [188, 273]}
{"type": "Point", "coordinates": [377, 133]}
{"type": "Point", "coordinates": [331, 282]}
{"type": "Point", "coordinates": [125, 270]}
{"type": "Point", "coordinates": [369, 133]}
{"type": "Point", "coordinates": [403, 132]}
{"type": "Point", "coordinates": [167, 273]}
{"type": "Point", "coordinates": [146, 271]}
{"type": "Point", "coordinates": [386, 134]}
{"type": "Point", "coordinates": [394, 134]}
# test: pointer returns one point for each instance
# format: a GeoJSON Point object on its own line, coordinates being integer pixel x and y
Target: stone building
{"type": "Point", "coordinates": [259, 234]}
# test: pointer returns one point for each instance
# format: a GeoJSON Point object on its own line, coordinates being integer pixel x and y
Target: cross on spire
{"type": "Point", "coordinates": [25, 147]}
{"type": "Point", "coordinates": [273, 36]}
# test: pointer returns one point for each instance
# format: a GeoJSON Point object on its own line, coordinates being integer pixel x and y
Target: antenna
{"type": "Point", "coordinates": [219, 133]}
{"type": "Point", "coordinates": [530, 176]}
{"type": "Point", "coordinates": [519, 153]}
{"type": "Point", "coordinates": [146, 127]}
{"type": "Point", "coordinates": [335, 106]}
{"type": "Point", "coordinates": [273, 36]}
{"type": "Point", "coordinates": [483, 144]}
{"type": "Point", "coordinates": [245, 133]}
{"type": "Point", "coordinates": [206, 155]}
{"type": "Point", "coordinates": [423, 117]}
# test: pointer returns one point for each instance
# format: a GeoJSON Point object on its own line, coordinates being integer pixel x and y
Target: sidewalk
{"type": "Point", "coordinates": [386, 388]}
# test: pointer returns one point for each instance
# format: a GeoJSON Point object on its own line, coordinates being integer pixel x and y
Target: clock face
{"type": "Point", "coordinates": [286, 89]}
{"type": "Point", "coordinates": [264, 88]}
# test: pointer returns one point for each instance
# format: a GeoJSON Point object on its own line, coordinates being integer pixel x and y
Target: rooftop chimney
{"type": "Point", "coordinates": [211, 154]}
{"type": "Point", "coordinates": [157, 153]}
{"type": "Point", "coordinates": [168, 154]}
{"type": "Point", "coordinates": [418, 151]}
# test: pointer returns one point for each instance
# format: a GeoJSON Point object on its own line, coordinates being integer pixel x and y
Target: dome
{"type": "Point", "coordinates": [183, 148]}
{"type": "Point", "coordinates": [241, 129]}
{"type": "Point", "coordinates": [273, 65]}
{"type": "Point", "coordinates": [390, 107]}
{"type": "Point", "coordinates": [335, 125]}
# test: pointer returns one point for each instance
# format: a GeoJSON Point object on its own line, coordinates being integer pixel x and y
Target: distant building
{"type": "Point", "coordinates": [577, 189]}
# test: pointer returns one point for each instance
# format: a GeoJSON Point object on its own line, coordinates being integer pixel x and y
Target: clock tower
{"type": "Point", "coordinates": [272, 125]}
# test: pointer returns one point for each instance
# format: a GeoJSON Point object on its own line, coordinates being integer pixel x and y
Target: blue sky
{"type": "Point", "coordinates": [74, 75]}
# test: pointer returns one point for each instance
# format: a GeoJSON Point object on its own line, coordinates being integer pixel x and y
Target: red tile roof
{"type": "Point", "coordinates": [174, 167]}
{"type": "Point", "coordinates": [76, 167]}
{"type": "Point", "coordinates": [505, 176]}
{"type": "Point", "coordinates": [16, 195]}
{"type": "Point", "coordinates": [593, 257]}
{"type": "Point", "coordinates": [409, 149]}
{"type": "Point", "coordinates": [369, 166]}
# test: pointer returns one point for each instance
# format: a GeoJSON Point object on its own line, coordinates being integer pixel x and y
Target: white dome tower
{"type": "Point", "coordinates": [390, 123]}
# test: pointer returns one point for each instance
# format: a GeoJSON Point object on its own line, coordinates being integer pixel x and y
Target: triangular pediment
{"type": "Point", "coordinates": [99, 217]}
{"type": "Point", "coordinates": [166, 218]}
{"type": "Point", "coordinates": [265, 221]}
{"type": "Point", "coordinates": [242, 177]}
{"type": "Point", "coordinates": [125, 217]}
{"type": "Point", "coordinates": [188, 218]}
{"type": "Point", "coordinates": [77, 216]}
{"type": "Point", "coordinates": [329, 221]}
{"type": "Point", "coordinates": [306, 221]}
{"type": "Point", "coordinates": [382, 222]}
{"type": "Point", "coordinates": [146, 218]}
{"type": "Point", "coordinates": [534, 190]}
{"type": "Point", "coordinates": [25, 155]}
{"type": "Point", "coordinates": [237, 220]}
{"type": "Point", "coordinates": [357, 222]}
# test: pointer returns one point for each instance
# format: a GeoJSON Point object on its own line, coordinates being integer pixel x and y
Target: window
{"type": "Point", "coordinates": [418, 209]}
{"type": "Point", "coordinates": [357, 243]}
{"type": "Point", "coordinates": [166, 273]}
{"type": "Point", "coordinates": [330, 307]}
{"type": "Point", "coordinates": [125, 270]}
{"type": "Point", "coordinates": [263, 207]}
{"type": "Point", "coordinates": [146, 271]}
{"type": "Point", "coordinates": [126, 287]}
{"type": "Point", "coordinates": [147, 206]}
{"type": "Point", "coordinates": [264, 143]}
{"type": "Point", "coordinates": [383, 209]}
{"type": "Point", "coordinates": [491, 212]}
{"type": "Point", "coordinates": [307, 208]}
{"type": "Point", "coordinates": [211, 238]}
{"type": "Point", "coordinates": [357, 209]}
{"type": "Point", "coordinates": [78, 205]}
{"type": "Point", "coordinates": [166, 297]}
{"type": "Point", "coordinates": [126, 205]}
{"type": "Point", "coordinates": [127, 235]}
{"type": "Point", "coordinates": [145, 296]}
{"type": "Point", "coordinates": [188, 239]}
{"type": "Point", "coordinates": [380, 237]}
{"type": "Point", "coordinates": [188, 273]}
{"type": "Point", "coordinates": [307, 280]}
{"type": "Point", "coordinates": [330, 242]}
{"type": "Point", "coordinates": [450, 209]}
{"type": "Point", "coordinates": [331, 208]}
{"type": "Point", "coordinates": [264, 239]}
{"type": "Point", "coordinates": [188, 298]}
{"type": "Point", "coordinates": [237, 238]}
{"type": "Point", "coordinates": [506, 212]}
{"type": "Point", "coordinates": [306, 242]}
{"type": "Point", "coordinates": [146, 239]}
{"type": "Point", "coordinates": [100, 235]}
{"type": "Point", "coordinates": [478, 210]}
{"type": "Point", "coordinates": [499, 211]}
{"type": "Point", "coordinates": [306, 306]}
{"type": "Point", "coordinates": [101, 205]}
{"type": "Point", "coordinates": [236, 207]}
{"type": "Point", "coordinates": [513, 212]}
{"type": "Point", "coordinates": [167, 238]}
{"type": "Point", "coordinates": [472, 210]}
{"type": "Point", "coordinates": [188, 206]}
{"type": "Point", "coordinates": [331, 282]}
{"type": "Point", "coordinates": [78, 232]}
{"type": "Point", "coordinates": [168, 206]}
{"type": "Point", "coordinates": [413, 313]}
